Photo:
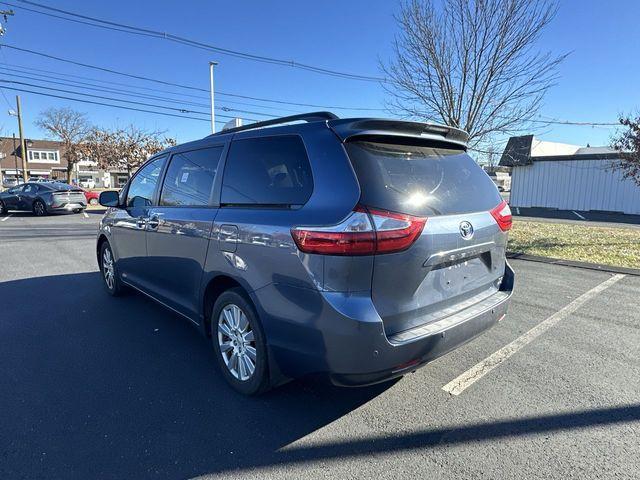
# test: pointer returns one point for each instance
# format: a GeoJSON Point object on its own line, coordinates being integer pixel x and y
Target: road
{"type": "Point", "coordinates": [97, 387]}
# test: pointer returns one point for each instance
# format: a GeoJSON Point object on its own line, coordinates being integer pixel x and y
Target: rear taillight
{"type": "Point", "coordinates": [364, 232]}
{"type": "Point", "coordinates": [502, 215]}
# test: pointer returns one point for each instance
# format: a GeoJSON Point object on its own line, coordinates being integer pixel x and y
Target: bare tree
{"type": "Point", "coordinates": [70, 128]}
{"type": "Point", "coordinates": [627, 142]}
{"type": "Point", "coordinates": [124, 149]}
{"type": "Point", "coordinates": [100, 145]}
{"type": "Point", "coordinates": [471, 64]}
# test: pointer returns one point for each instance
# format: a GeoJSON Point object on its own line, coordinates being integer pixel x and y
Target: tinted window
{"type": "Point", "coordinates": [28, 189]}
{"type": "Point", "coordinates": [267, 171]}
{"type": "Point", "coordinates": [421, 180]}
{"type": "Point", "coordinates": [140, 193]}
{"type": "Point", "coordinates": [189, 178]}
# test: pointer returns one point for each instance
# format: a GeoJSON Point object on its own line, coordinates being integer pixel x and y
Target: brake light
{"type": "Point", "coordinates": [502, 215]}
{"type": "Point", "coordinates": [363, 232]}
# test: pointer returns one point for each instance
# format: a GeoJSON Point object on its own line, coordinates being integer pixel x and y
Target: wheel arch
{"type": "Point", "coordinates": [102, 238]}
{"type": "Point", "coordinates": [214, 288]}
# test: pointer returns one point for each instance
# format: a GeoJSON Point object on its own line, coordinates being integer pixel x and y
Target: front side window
{"type": "Point", "coordinates": [143, 185]}
{"type": "Point", "coordinates": [268, 171]}
{"type": "Point", "coordinates": [189, 178]}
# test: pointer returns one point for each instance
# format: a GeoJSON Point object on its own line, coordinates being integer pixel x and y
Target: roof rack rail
{"type": "Point", "coordinates": [309, 117]}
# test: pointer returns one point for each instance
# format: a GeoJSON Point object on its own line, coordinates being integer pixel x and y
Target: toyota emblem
{"type": "Point", "coordinates": [466, 230]}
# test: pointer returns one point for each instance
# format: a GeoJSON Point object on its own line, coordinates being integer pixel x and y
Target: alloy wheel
{"type": "Point", "coordinates": [237, 342]}
{"type": "Point", "coordinates": [38, 207]}
{"type": "Point", "coordinates": [107, 268]}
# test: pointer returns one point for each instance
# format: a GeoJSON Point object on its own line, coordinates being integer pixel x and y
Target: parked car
{"type": "Point", "coordinates": [10, 182]}
{"type": "Point", "coordinates": [42, 198]}
{"type": "Point", "coordinates": [354, 249]}
{"type": "Point", "coordinates": [88, 183]}
{"type": "Point", "coordinates": [91, 197]}
{"type": "Point", "coordinates": [40, 180]}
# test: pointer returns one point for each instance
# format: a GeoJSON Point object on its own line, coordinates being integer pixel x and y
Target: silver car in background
{"type": "Point", "coordinates": [43, 198]}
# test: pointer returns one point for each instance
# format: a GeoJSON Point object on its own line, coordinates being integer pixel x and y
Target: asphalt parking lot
{"type": "Point", "coordinates": [96, 387]}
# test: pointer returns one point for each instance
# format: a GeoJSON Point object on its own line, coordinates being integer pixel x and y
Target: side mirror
{"type": "Point", "coordinates": [109, 198]}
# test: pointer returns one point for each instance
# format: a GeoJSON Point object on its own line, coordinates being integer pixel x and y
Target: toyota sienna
{"type": "Point", "coordinates": [353, 249]}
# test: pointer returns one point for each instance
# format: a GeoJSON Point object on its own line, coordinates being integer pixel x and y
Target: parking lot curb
{"type": "Point", "coordinates": [575, 264]}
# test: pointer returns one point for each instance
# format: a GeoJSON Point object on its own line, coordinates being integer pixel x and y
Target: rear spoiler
{"type": "Point", "coordinates": [351, 128]}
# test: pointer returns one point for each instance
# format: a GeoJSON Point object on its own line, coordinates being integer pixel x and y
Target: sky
{"type": "Point", "coordinates": [597, 82]}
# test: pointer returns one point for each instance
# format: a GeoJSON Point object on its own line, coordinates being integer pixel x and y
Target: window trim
{"type": "Point", "coordinates": [266, 206]}
{"type": "Point", "coordinates": [154, 199]}
{"type": "Point", "coordinates": [212, 202]}
{"type": "Point", "coordinates": [31, 151]}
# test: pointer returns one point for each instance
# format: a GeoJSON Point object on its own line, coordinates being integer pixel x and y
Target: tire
{"type": "Point", "coordinates": [3, 208]}
{"type": "Point", "coordinates": [93, 201]}
{"type": "Point", "coordinates": [110, 276]}
{"type": "Point", "coordinates": [39, 208]}
{"type": "Point", "coordinates": [231, 310]}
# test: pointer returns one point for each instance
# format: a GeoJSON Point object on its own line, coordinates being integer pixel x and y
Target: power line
{"type": "Point", "coordinates": [82, 100]}
{"type": "Point", "coordinates": [132, 102]}
{"type": "Point", "coordinates": [65, 76]}
{"type": "Point", "coordinates": [189, 87]}
{"type": "Point", "coordinates": [135, 94]}
{"type": "Point", "coordinates": [2, 91]}
{"type": "Point", "coordinates": [97, 22]}
{"type": "Point", "coordinates": [556, 121]}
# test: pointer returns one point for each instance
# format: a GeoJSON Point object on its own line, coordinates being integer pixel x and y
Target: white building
{"type": "Point", "coordinates": [567, 177]}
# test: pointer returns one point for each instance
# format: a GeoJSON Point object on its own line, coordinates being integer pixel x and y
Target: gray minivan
{"type": "Point", "coordinates": [353, 249]}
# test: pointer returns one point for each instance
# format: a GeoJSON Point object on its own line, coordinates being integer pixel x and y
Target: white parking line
{"type": "Point", "coordinates": [578, 215]}
{"type": "Point", "coordinates": [5, 218]}
{"type": "Point", "coordinates": [475, 373]}
{"type": "Point", "coordinates": [86, 215]}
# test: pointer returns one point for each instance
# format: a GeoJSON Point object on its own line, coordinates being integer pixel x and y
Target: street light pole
{"type": "Point", "coordinates": [23, 144]}
{"type": "Point", "coordinates": [213, 113]}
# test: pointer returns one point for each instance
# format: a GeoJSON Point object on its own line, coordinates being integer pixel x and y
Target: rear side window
{"type": "Point", "coordinates": [267, 171]}
{"type": "Point", "coordinates": [421, 180]}
{"type": "Point", "coordinates": [189, 178]}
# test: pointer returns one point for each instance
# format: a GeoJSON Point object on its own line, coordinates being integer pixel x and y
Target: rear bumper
{"type": "Point", "coordinates": [341, 336]}
{"type": "Point", "coordinates": [66, 207]}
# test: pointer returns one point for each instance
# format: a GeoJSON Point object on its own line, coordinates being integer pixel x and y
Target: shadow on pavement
{"type": "Point", "coordinates": [95, 387]}
{"type": "Point", "coordinates": [99, 387]}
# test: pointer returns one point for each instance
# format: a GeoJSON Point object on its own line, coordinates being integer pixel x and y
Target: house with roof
{"type": "Point", "coordinates": [567, 177]}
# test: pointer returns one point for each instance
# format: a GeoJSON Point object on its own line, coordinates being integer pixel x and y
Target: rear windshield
{"type": "Point", "coordinates": [60, 186]}
{"type": "Point", "coordinates": [421, 180]}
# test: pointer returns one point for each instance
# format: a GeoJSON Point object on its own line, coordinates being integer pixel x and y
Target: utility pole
{"type": "Point", "coordinates": [213, 113]}
{"type": "Point", "coordinates": [15, 157]}
{"type": "Point", "coordinates": [23, 144]}
{"type": "Point", "coordinates": [2, 155]}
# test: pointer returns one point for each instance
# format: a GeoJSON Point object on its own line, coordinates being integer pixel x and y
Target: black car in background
{"type": "Point", "coordinates": [43, 198]}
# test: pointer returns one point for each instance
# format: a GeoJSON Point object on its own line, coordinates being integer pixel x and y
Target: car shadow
{"type": "Point", "coordinates": [95, 387]}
